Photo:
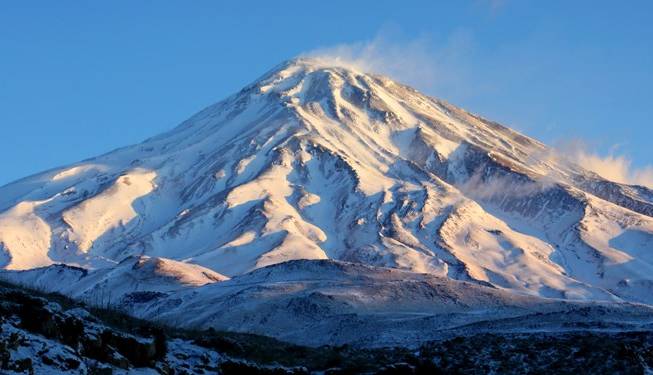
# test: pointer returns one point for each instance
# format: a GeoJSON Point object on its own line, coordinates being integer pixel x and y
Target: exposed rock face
{"type": "Point", "coordinates": [317, 161]}
{"type": "Point", "coordinates": [38, 336]}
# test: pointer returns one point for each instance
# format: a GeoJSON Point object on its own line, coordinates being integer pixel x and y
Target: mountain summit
{"type": "Point", "coordinates": [319, 161]}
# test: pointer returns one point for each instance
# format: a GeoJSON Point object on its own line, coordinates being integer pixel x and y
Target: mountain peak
{"type": "Point", "coordinates": [312, 70]}
{"type": "Point", "coordinates": [318, 63]}
{"type": "Point", "coordinates": [317, 160]}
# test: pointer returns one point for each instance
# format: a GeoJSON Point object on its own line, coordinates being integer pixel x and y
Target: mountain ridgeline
{"type": "Point", "coordinates": [323, 199]}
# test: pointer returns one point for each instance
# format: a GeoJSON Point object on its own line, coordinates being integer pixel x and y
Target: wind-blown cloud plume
{"type": "Point", "coordinates": [500, 187]}
{"type": "Point", "coordinates": [415, 62]}
{"type": "Point", "coordinates": [614, 167]}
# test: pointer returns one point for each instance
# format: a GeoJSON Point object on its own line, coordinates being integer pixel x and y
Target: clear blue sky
{"type": "Point", "coordinates": [80, 78]}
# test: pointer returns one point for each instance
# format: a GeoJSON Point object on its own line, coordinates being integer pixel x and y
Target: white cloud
{"type": "Point", "coordinates": [614, 167]}
{"type": "Point", "coordinates": [499, 187]}
{"type": "Point", "coordinates": [416, 62]}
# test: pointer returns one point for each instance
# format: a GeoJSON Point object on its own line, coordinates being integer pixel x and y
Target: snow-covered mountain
{"type": "Point", "coordinates": [136, 277]}
{"type": "Point", "coordinates": [319, 161]}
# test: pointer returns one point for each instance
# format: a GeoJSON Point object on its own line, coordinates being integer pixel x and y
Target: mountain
{"type": "Point", "coordinates": [133, 278]}
{"type": "Point", "coordinates": [340, 168]}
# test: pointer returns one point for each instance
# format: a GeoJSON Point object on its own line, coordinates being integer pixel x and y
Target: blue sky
{"type": "Point", "coordinates": [81, 78]}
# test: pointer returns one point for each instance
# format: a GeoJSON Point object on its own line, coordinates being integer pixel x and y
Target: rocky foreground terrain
{"type": "Point", "coordinates": [51, 334]}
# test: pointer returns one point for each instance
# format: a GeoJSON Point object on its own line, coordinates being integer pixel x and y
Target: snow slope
{"type": "Point", "coordinates": [113, 285]}
{"type": "Point", "coordinates": [320, 302]}
{"type": "Point", "coordinates": [319, 161]}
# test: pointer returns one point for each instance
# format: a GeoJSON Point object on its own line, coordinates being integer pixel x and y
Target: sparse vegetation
{"type": "Point", "coordinates": [115, 346]}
